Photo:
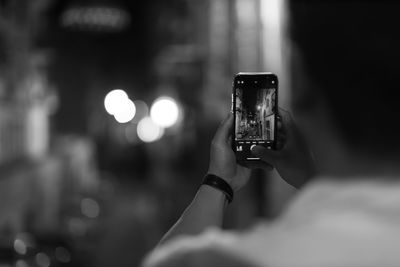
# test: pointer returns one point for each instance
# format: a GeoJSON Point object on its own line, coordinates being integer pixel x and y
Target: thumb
{"type": "Point", "coordinates": [266, 155]}
{"type": "Point", "coordinates": [224, 129]}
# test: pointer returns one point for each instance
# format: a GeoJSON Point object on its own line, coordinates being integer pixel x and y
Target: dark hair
{"type": "Point", "coordinates": [351, 53]}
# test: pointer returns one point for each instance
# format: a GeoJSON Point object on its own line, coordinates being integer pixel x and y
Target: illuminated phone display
{"type": "Point", "coordinates": [255, 111]}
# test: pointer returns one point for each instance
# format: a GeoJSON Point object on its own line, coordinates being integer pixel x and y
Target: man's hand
{"type": "Point", "coordinates": [223, 160]}
{"type": "Point", "coordinates": [292, 159]}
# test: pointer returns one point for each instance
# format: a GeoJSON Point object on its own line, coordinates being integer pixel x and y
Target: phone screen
{"type": "Point", "coordinates": [255, 108]}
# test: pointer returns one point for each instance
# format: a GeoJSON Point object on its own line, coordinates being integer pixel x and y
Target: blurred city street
{"type": "Point", "coordinates": [107, 112]}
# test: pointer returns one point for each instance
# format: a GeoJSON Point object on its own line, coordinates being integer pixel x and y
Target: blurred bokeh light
{"type": "Point", "coordinates": [118, 104]}
{"type": "Point", "coordinates": [125, 111]}
{"type": "Point", "coordinates": [165, 111]}
{"type": "Point", "coordinates": [20, 246]}
{"type": "Point", "coordinates": [42, 260]}
{"type": "Point", "coordinates": [148, 131]}
{"type": "Point", "coordinates": [113, 100]}
{"type": "Point", "coordinates": [142, 110]}
{"type": "Point", "coordinates": [62, 255]}
{"type": "Point", "coordinates": [21, 263]}
{"type": "Point", "coordinates": [90, 208]}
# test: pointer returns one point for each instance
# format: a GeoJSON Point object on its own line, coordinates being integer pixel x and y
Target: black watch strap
{"type": "Point", "coordinates": [220, 184]}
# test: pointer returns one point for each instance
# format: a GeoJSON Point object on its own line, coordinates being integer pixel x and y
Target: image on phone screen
{"type": "Point", "coordinates": [255, 115]}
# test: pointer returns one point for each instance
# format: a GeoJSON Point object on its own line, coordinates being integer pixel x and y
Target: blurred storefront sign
{"type": "Point", "coordinates": [220, 67]}
{"type": "Point", "coordinates": [26, 97]}
{"type": "Point", "coordinates": [100, 16]}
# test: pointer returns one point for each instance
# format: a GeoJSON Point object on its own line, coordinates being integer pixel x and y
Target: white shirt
{"type": "Point", "coordinates": [329, 224]}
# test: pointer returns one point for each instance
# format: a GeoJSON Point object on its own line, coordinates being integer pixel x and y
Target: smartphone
{"type": "Point", "coordinates": [255, 109]}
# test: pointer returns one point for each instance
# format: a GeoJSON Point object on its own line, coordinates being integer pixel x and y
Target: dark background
{"type": "Point", "coordinates": [74, 178]}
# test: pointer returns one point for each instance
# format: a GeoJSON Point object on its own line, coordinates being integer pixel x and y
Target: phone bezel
{"type": "Point", "coordinates": [260, 77]}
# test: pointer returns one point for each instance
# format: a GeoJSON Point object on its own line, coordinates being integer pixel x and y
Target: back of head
{"type": "Point", "coordinates": [350, 51]}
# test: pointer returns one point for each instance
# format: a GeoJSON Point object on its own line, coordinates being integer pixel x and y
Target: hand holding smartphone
{"type": "Point", "coordinates": [255, 109]}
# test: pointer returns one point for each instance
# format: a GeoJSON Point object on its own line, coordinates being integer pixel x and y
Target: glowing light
{"type": "Point", "coordinates": [63, 255]}
{"type": "Point", "coordinates": [90, 208]}
{"type": "Point", "coordinates": [125, 111]}
{"type": "Point", "coordinates": [273, 18]}
{"type": "Point", "coordinates": [21, 263]}
{"type": "Point", "coordinates": [148, 131]}
{"type": "Point", "coordinates": [20, 246]}
{"type": "Point", "coordinates": [96, 18]}
{"type": "Point", "coordinates": [165, 112]}
{"type": "Point", "coordinates": [271, 12]}
{"type": "Point", "coordinates": [117, 103]}
{"type": "Point", "coordinates": [113, 99]}
{"type": "Point", "coordinates": [42, 259]}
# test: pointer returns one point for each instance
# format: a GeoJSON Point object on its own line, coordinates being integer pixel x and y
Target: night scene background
{"type": "Point", "coordinates": [108, 108]}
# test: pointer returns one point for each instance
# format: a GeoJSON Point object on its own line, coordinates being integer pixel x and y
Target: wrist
{"type": "Point", "coordinates": [219, 184]}
{"type": "Point", "coordinates": [221, 174]}
{"type": "Point", "coordinates": [217, 196]}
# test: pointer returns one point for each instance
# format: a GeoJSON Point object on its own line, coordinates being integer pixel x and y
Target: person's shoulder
{"type": "Point", "coordinates": [205, 256]}
{"type": "Point", "coordinates": [211, 248]}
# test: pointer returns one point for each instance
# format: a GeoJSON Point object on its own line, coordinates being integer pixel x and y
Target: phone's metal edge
{"type": "Point", "coordinates": [253, 73]}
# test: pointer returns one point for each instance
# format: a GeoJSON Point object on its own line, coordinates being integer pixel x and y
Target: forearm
{"type": "Point", "coordinates": [206, 210]}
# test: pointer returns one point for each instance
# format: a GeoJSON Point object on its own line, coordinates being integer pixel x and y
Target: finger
{"type": "Point", "coordinates": [281, 129]}
{"type": "Point", "coordinates": [287, 122]}
{"type": "Point", "coordinates": [282, 132]}
{"type": "Point", "coordinates": [283, 112]}
{"type": "Point", "coordinates": [282, 136]}
{"type": "Point", "coordinates": [282, 121]}
{"type": "Point", "coordinates": [279, 124]}
{"type": "Point", "coordinates": [285, 116]}
{"type": "Point", "coordinates": [259, 165]}
{"type": "Point", "coordinates": [267, 155]}
{"type": "Point", "coordinates": [224, 130]}
{"type": "Point", "coordinates": [280, 144]}
{"type": "Point", "coordinates": [281, 139]}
